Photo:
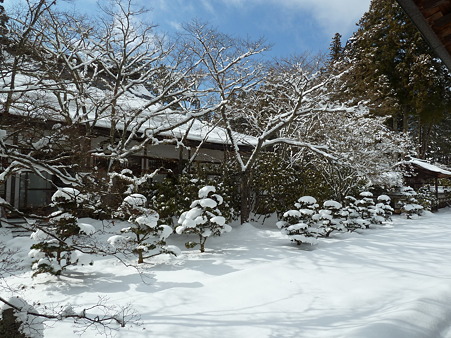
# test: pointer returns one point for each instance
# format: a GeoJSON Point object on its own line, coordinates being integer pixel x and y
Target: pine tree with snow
{"type": "Point", "coordinates": [329, 218]}
{"type": "Point", "coordinates": [410, 206]}
{"type": "Point", "coordinates": [55, 249]}
{"type": "Point", "coordinates": [204, 219]}
{"type": "Point", "coordinates": [366, 207]}
{"type": "Point", "coordinates": [352, 219]}
{"type": "Point", "coordinates": [383, 209]}
{"type": "Point", "coordinates": [145, 237]}
{"type": "Point", "coordinates": [298, 223]}
{"type": "Point", "coordinates": [426, 198]}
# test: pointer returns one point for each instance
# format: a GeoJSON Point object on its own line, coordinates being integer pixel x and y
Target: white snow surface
{"type": "Point", "coordinates": [135, 200]}
{"type": "Point", "coordinates": [307, 200]}
{"type": "Point", "coordinates": [86, 228]}
{"type": "Point", "coordinates": [389, 281]}
{"type": "Point", "coordinates": [67, 194]}
{"type": "Point", "coordinates": [203, 192]}
{"type": "Point", "coordinates": [208, 203]}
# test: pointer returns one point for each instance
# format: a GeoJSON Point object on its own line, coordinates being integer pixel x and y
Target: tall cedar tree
{"type": "Point", "coordinates": [393, 68]}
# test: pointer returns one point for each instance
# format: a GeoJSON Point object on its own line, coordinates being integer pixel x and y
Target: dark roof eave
{"type": "Point", "coordinates": [426, 30]}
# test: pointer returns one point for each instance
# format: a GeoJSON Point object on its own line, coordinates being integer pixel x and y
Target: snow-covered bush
{"type": "Point", "coordinates": [329, 218]}
{"type": "Point", "coordinates": [426, 198]}
{"type": "Point", "coordinates": [149, 237]}
{"type": "Point", "coordinates": [174, 195]}
{"type": "Point", "coordinates": [409, 205]}
{"type": "Point", "coordinates": [382, 210]}
{"type": "Point", "coordinates": [351, 215]}
{"type": "Point", "coordinates": [20, 321]}
{"type": "Point", "coordinates": [365, 206]}
{"type": "Point", "coordinates": [55, 250]}
{"type": "Point", "coordinates": [204, 218]}
{"type": "Point", "coordinates": [298, 224]}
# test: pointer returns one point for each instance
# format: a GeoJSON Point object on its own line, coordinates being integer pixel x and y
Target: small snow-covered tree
{"type": "Point", "coordinates": [56, 246]}
{"type": "Point", "coordinates": [426, 198]}
{"type": "Point", "coordinates": [365, 206]}
{"type": "Point", "coordinates": [410, 206]}
{"type": "Point", "coordinates": [148, 237]}
{"type": "Point", "coordinates": [329, 218]}
{"type": "Point", "coordinates": [298, 223]}
{"type": "Point", "coordinates": [352, 219]}
{"type": "Point", "coordinates": [204, 219]}
{"type": "Point", "coordinates": [382, 209]}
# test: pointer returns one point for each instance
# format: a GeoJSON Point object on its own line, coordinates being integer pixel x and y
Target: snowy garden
{"type": "Point", "coordinates": [185, 186]}
{"type": "Point", "coordinates": [385, 278]}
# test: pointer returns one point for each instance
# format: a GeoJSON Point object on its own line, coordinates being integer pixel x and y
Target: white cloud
{"type": "Point", "coordinates": [331, 15]}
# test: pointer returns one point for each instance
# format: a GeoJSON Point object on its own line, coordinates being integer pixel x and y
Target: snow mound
{"type": "Point", "coordinates": [135, 200]}
{"type": "Point", "coordinates": [203, 192]}
{"type": "Point", "coordinates": [67, 195]}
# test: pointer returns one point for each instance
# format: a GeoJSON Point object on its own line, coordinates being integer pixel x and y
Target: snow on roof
{"type": "Point", "coordinates": [428, 167]}
{"type": "Point", "coordinates": [153, 119]}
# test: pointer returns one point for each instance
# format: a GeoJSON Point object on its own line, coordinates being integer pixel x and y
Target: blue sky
{"type": "Point", "coordinates": [291, 26]}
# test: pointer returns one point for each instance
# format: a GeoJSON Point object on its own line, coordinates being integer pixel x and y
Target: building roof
{"type": "Point", "coordinates": [426, 170]}
{"type": "Point", "coordinates": [152, 120]}
{"type": "Point", "coordinates": [433, 19]}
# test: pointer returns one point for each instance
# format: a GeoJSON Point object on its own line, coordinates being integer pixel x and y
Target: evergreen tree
{"type": "Point", "coordinates": [336, 48]}
{"type": "Point", "coordinates": [393, 67]}
{"type": "Point", "coordinates": [3, 19]}
{"type": "Point", "coordinates": [204, 219]}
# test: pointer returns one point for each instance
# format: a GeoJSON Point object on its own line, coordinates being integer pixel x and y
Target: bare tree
{"type": "Point", "coordinates": [271, 99]}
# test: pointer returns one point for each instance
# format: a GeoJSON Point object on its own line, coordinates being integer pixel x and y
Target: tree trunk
{"type": "Point", "coordinates": [202, 243]}
{"type": "Point", "coordinates": [245, 194]}
{"type": "Point", "coordinates": [140, 257]}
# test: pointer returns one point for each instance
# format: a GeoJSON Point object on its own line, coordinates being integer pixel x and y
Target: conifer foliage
{"type": "Point", "coordinates": [56, 246]}
{"type": "Point", "coordinates": [392, 67]}
{"type": "Point", "coordinates": [204, 219]}
{"type": "Point", "coordinates": [145, 237]}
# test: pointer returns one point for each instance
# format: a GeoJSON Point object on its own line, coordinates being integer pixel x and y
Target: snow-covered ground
{"type": "Point", "coordinates": [389, 281]}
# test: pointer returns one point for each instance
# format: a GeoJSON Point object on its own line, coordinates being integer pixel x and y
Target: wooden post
{"type": "Point", "coordinates": [436, 193]}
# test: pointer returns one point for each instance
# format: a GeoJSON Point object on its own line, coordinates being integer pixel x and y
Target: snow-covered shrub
{"type": "Point", "coordinates": [22, 321]}
{"type": "Point", "coordinates": [365, 206]}
{"type": "Point", "coordinates": [409, 205]}
{"type": "Point", "coordinates": [329, 218]}
{"type": "Point", "coordinates": [426, 198]}
{"type": "Point", "coordinates": [54, 250]}
{"type": "Point", "coordinates": [149, 237]}
{"type": "Point", "coordinates": [174, 195]}
{"type": "Point", "coordinates": [382, 210]}
{"type": "Point", "coordinates": [351, 215]}
{"type": "Point", "coordinates": [204, 218]}
{"type": "Point", "coordinates": [298, 223]}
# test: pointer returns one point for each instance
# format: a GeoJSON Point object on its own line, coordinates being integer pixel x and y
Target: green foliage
{"type": "Point", "coordinates": [54, 250]}
{"type": "Point", "coordinates": [204, 218]}
{"type": "Point", "coordinates": [276, 184]}
{"type": "Point", "coordinates": [174, 194]}
{"type": "Point", "coordinates": [149, 237]}
{"type": "Point", "coordinates": [426, 198]}
{"type": "Point", "coordinates": [392, 67]}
